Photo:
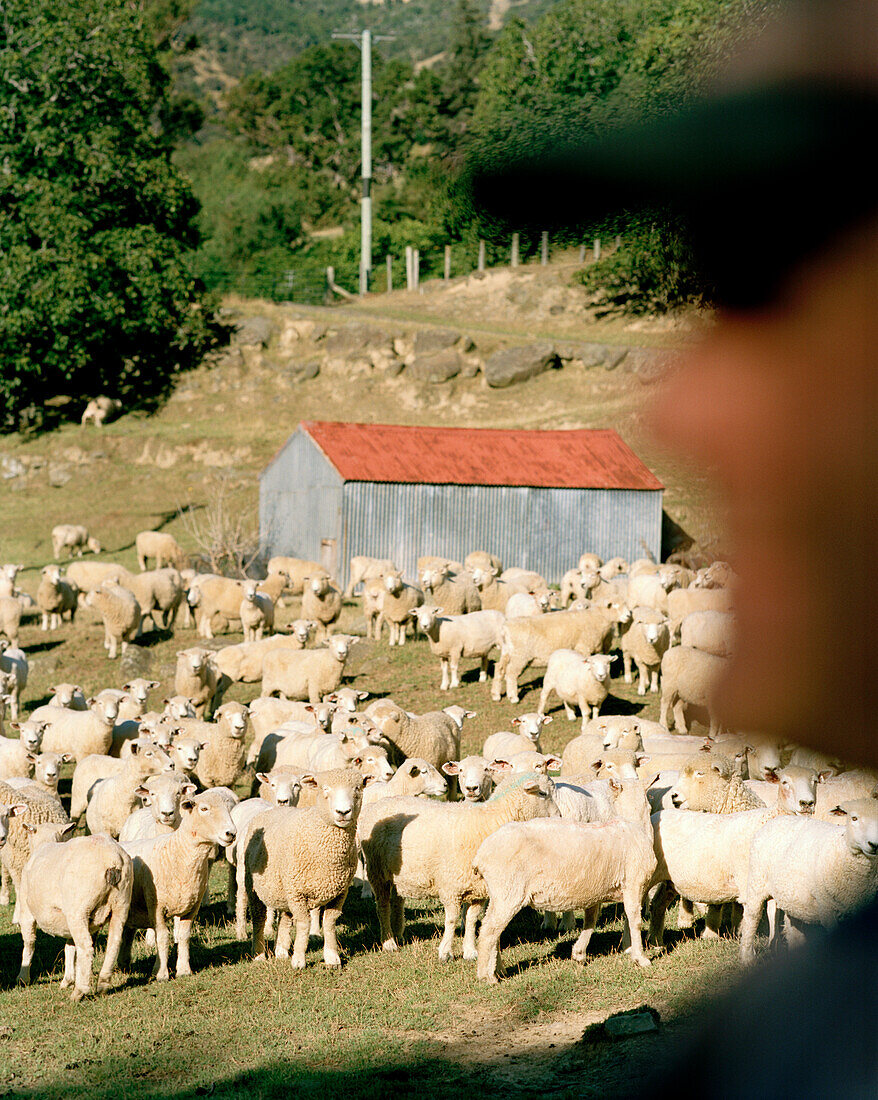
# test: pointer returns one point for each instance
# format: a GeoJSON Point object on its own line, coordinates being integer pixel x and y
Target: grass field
{"type": "Point", "coordinates": [402, 1023]}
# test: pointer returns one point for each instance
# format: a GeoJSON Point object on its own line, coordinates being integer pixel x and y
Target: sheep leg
{"type": "Point", "coordinates": [626, 661]}
{"type": "Point", "coordinates": [182, 932]}
{"type": "Point", "coordinates": [590, 919]}
{"type": "Point", "coordinates": [83, 951]}
{"type": "Point", "coordinates": [240, 900]}
{"type": "Point", "coordinates": [497, 917]}
{"type": "Point", "coordinates": [270, 915]}
{"type": "Point", "coordinates": [712, 922]}
{"type": "Point", "coordinates": [654, 686]}
{"type": "Point", "coordinates": [331, 913]}
{"type": "Point", "coordinates": [483, 671]}
{"type": "Point", "coordinates": [685, 914]}
{"type": "Point", "coordinates": [69, 966]}
{"type": "Point", "coordinates": [315, 929]}
{"type": "Point", "coordinates": [284, 936]}
{"type": "Point", "coordinates": [665, 709]}
{"type": "Point", "coordinates": [474, 913]}
{"type": "Point", "coordinates": [454, 657]}
{"type": "Point", "coordinates": [544, 697]}
{"type": "Point", "coordinates": [643, 682]}
{"type": "Point", "coordinates": [774, 924]}
{"type": "Point", "coordinates": [141, 561]}
{"type": "Point", "coordinates": [793, 932]}
{"type": "Point", "coordinates": [452, 916]}
{"type": "Point", "coordinates": [231, 890]}
{"type": "Point", "coordinates": [499, 673]}
{"type": "Point", "coordinates": [397, 916]}
{"type": "Point", "coordinates": [29, 937]}
{"type": "Point", "coordinates": [382, 892]}
{"type": "Point", "coordinates": [632, 901]}
{"type": "Point", "coordinates": [115, 932]}
{"type": "Point", "coordinates": [657, 909]}
{"type": "Point", "coordinates": [550, 921]}
{"type": "Point", "coordinates": [513, 671]}
{"type": "Point", "coordinates": [162, 945]}
{"type": "Point", "coordinates": [257, 912]}
{"type": "Point", "coordinates": [4, 885]}
{"type": "Point", "coordinates": [749, 924]}
{"type": "Point", "coordinates": [680, 716]}
{"type": "Point", "coordinates": [125, 948]}
{"type": "Point", "coordinates": [444, 685]}
{"type": "Point", "coordinates": [302, 917]}
{"type": "Point", "coordinates": [45, 620]}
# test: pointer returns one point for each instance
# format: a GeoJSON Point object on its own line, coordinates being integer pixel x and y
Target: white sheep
{"type": "Point", "coordinates": [481, 559]}
{"type": "Point", "coordinates": [100, 409]}
{"type": "Point", "coordinates": [256, 613]}
{"type": "Point", "coordinates": [683, 601]}
{"type": "Point", "coordinates": [847, 787]}
{"type": "Point", "coordinates": [10, 617]}
{"type": "Point", "coordinates": [161, 795]}
{"type": "Point", "coordinates": [15, 752]}
{"type": "Point", "coordinates": [416, 848]}
{"type": "Point", "coordinates": [71, 889]}
{"type": "Point", "coordinates": [80, 732]}
{"type": "Point", "coordinates": [521, 605]}
{"type": "Point", "coordinates": [14, 660]}
{"type": "Point", "coordinates": [710, 631]}
{"type": "Point", "coordinates": [645, 643]}
{"type": "Point", "coordinates": [434, 736]}
{"type": "Point", "coordinates": [475, 775]}
{"type": "Point", "coordinates": [454, 636]}
{"type": "Point", "coordinates": [296, 860]}
{"type": "Point", "coordinates": [195, 678]}
{"type": "Point", "coordinates": [215, 602]}
{"type": "Point", "coordinates": [565, 865]}
{"type": "Point", "coordinates": [112, 800]}
{"type": "Point", "coordinates": [87, 575]}
{"type": "Point", "coordinates": [504, 745]}
{"type": "Point", "coordinates": [270, 718]}
{"type": "Point", "coordinates": [297, 570]}
{"type": "Point", "coordinates": [46, 768]}
{"type": "Point", "coordinates": [120, 612]}
{"type": "Point", "coordinates": [373, 603]}
{"type": "Point", "coordinates": [56, 598]}
{"type": "Point", "coordinates": [495, 594]}
{"type": "Point", "coordinates": [159, 592]}
{"type": "Point", "coordinates": [74, 538]}
{"type": "Point", "coordinates": [170, 877]}
{"type": "Point", "coordinates": [457, 594]}
{"type": "Point", "coordinates": [577, 681]}
{"type": "Point", "coordinates": [309, 673]}
{"type": "Point", "coordinates": [365, 569]}
{"type": "Point", "coordinates": [161, 546]}
{"type": "Point", "coordinates": [38, 809]}
{"type": "Point", "coordinates": [221, 760]}
{"type": "Point", "coordinates": [689, 678]}
{"type": "Point", "coordinates": [321, 603]}
{"type": "Point", "coordinates": [242, 663]}
{"type": "Point", "coordinates": [815, 872]}
{"type": "Point", "coordinates": [398, 603]}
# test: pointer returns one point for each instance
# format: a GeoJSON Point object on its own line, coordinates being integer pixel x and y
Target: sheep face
{"type": "Point", "coordinates": [303, 629]}
{"type": "Point", "coordinates": [64, 694]}
{"type": "Point", "coordinates": [235, 716]}
{"type": "Point", "coordinates": [319, 585]}
{"type": "Point", "coordinates": [7, 812]}
{"type": "Point", "coordinates": [798, 788]}
{"type": "Point", "coordinates": [529, 725]}
{"type": "Point", "coordinates": [108, 709]}
{"type": "Point", "coordinates": [285, 787]}
{"type": "Point", "coordinates": [340, 796]}
{"type": "Point", "coordinates": [861, 825]}
{"type": "Point", "coordinates": [139, 689]}
{"type": "Point", "coordinates": [187, 750]}
{"type": "Point", "coordinates": [208, 817]}
{"type": "Point", "coordinates": [458, 714]}
{"type": "Point", "coordinates": [600, 666]}
{"type": "Point", "coordinates": [434, 786]}
{"type": "Point", "coordinates": [194, 659]}
{"type": "Point", "coordinates": [426, 617]}
{"type": "Point", "coordinates": [179, 707]}
{"type": "Point", "coordinates": [474, 776]}
{"type": "Point", "coordinates": [393, 582]}
{"type": "Point", "coordinates": [340, 645]}
{"type": "Point", "coordinates": [372, 761]}
{"type": "Point", "coordinates": [31, 734]}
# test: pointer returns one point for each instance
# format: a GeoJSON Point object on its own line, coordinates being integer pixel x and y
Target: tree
{"type": "Point", "coordinates": [96, 225]}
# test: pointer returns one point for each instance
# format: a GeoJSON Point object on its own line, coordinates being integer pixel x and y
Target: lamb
{"type": "Point", "coordinates": [221, 760]}
{"type": "Point", "coordinates": [416, 848]}
{"type": "Point", "coordinates": [81, 732]}
{"type": "Point", "coordinates": [243, 663]}
{"type": "Point", "coordinates": [161, 546]}
{"type": "Point", "coordinates": [184, 754]}
{"type": "Point", "coordinates": [120, 612]}
{"type": "Point", "coordinates": [10, 617]}
{"type": "Point", "coordinates": [564, 865]}
{"type": "Point", "coordinates": [710, 631]}
{"type": "Point", "coordinates": [577, 680]}
{"type": "Point", "coordinates": [161, 795]}
{"type": "Point", "coordinates": [170, 877]}
{"type": "Point", "coordinates": [46, 767]}
{"type": "Point", "coordinates": [14, 660]}
{"type": "Point", "coordinates": [816, 872]}
{"type": "Point", "coordinates": [366, 569]}
{"type": "Point", "coordinates": [532, 641]}
{"type": "Point", "coordinates": [454, 636]}
{"type": "Point", "coordinates": [56, 598]}
{"type": "Point", "coordinates": [309, 673]}
{"type": "Point", "coordinates": [15, 752]}
{"type": "Point", "coordinates": [683, 601]}
{"type": "Point", "coordinates": [74, 538]}
{"type": "Point", "coordinates": [505, 745]}
{"type": "Point", "coordinates": [256, 613]}
{"type": "Point", "coordinates": [100, 409]}
{"type": "Point", "coordinates": [298, 570]}
{"type": "Point", "coordinates": [195, 678]}
{"type": "Point", "coordinates": [111, 800]}
{"type": "Point", "coordinates": [434, 736]}
{"type": "Point", "coordinates": [159, 592]}
{"type": "Point", "coordinates": [521, 605]}
{"type": "Point", "coordinates": [321, 602]}
{"type": "Point", "coordinates": [847, 787]}
{"type": "Point", "coordinates": [296, 860]}
{"type": "Point", "coordinates": [373, 603]}
{"type": "Point", "coordinates": [71, 889]}
{"type": "Point", "coordinates": [645, 643]}
{"type": "Point", "coordinates": [458, 595]}
{"type": "Point", "coordinates": [398, 603]}
{"type": "Point", "coordinates": [216, 602]}
{"type": "Point", "coordinates": [689, 677]}
{"type": "Point", "coordinates": [39, 809]}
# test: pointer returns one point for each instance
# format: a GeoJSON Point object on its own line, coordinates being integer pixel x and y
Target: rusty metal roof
{"type": "Point", "coordinates": [574, 459]}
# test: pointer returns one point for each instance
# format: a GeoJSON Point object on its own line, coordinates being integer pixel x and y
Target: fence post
{"type": "Point", "coordinates": [618, 241]}
{"type": "Point", "coordinates": [514, 258]}
{"type": "Point", "coordinates": [481, 264]}
{"type": "Point", "coordinates": [597, 248]}
{"type": "Point", "coordinates": [582, 253]}
{"type": "Point", "coordinates": [330, 278]}
{"type": "Point", "coordinates": [364, 280]}
{"type": "Point", "coordinates": [389, 273]}
{"type": "Point", "coordinates": [416, 267]}
{"type": "Point", "coordinates": [447, 262]}
{"type": "Point", "coordinates": [409, 277]}
{"type": "Point", "coordinates": [544, 248]}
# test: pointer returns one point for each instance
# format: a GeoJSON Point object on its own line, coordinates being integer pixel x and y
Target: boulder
{"type": "Point", "coordinates": [300, 372]}
{"type": "Point", "coordinates": [253, 331]}
{"type": "Point", "coordinates": [428, 341]}
{"type": "Point", "coordinates": [351, 339]}
{"type": "Point", "coordinates": [589, 354]}
{"type": "Point", "coordinates": [517, 364]}
{"type": "Point", "coordinates": [614, 357]}
{"type": "Point", "coordinates": [436, 368]}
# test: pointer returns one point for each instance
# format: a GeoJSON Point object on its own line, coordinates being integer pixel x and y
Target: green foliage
{"type": "Point", "coordinates": [96, 226]}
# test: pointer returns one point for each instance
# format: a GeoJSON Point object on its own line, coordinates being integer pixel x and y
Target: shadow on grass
{"type": "Point", "coordinates": [154, 637]}
{"type": "Point", "coordinates": [44, 647]}
{"type": "Point", "coordinates": [165, 519]}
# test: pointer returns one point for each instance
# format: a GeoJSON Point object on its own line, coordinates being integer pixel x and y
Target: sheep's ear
{"type": "Point", "coordinates": [615, 785]}
{"type": "Point", "coordinates": [545, 719]}
{"type": "Point", "coordinates": [640, 758]}
{"type": "Point", "coordinates": [367, 779]}
{"type": "Point", "coordinates": [308, 780]}
{"type": "Point", "coordinates": [823, 776]}
{"type": "Point", "coordinates": [263, 777]}
{"type": "Point", "coordinates": [31, 757]}
{"type": "Point", "coordinates": [142, 792]}
{"type": "Point", "coordinates": [499, 766]}
{"type": "Point", "coordinates": [357, 761]}
{"type": "Point", "coordinates": [332, 698]}
{"type": "Point", "coordinates": [90, 701]}
{"type": "Point", "coordinates": [771, 775]}
{"type": "Point", "coordinates": [374, 736]}
{"type": "Point", "coordinates": [716, 768]}
{"type": "Point", "coordinates": [15, 725]}
{"type": "Point", "coordinates": [515, 722]}
{"type": "Point", "coordinates": [66, 757]}
{"type": "Point", "coordinates": [189, 788]}
{"type": "Point", "coordinates": [597, 765]}
{"type": "Point", "coordinates": [17, 811]}
{"type": "Point", "coordinates": [837, 811]}
{"type": "Point", "coordinates": [440, 610]}
{"type": "Point", "coordinates": [411, 614]}
{"type": "Point", "coordinates": [553, 763]}
{"type": "Point", "coordinates": [362, 694]}
{"type": "Point", "coordinates": [451, 767]}
{"type": "Point", "coordinates": [614, 657]}
{"type": "Point", "coordinates": [187, 804]}
{"type": "Point", "coordinates": [68, 830]}
{"type": "Point", "coordinates": [126, 687]}
{"type": "Point", "coordinates": [309, 708]}
{"type": "Point", "coordinates": [653, 782]}
{"type": "Point", "coordinates": [532, 786]}
{"type": "Point", "coordinates": [707, 746]}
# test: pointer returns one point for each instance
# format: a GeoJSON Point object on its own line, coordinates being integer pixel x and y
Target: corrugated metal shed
{"type": "Point", "coordinates": [536, 499]}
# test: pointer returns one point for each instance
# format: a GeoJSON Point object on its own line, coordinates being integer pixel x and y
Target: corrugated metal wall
{"type": "Point", "coordinates": [303, 500]}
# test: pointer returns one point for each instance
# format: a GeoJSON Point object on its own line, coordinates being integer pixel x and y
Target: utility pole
{"type": "Point", "coordinates": [364, 41]}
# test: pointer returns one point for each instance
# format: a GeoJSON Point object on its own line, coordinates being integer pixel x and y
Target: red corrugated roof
{"type": "Point", "coordinates": [576, 459]}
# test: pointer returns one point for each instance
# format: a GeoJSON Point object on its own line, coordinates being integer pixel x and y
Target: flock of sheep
{"type": "Point", "coordinates": [642, 813]}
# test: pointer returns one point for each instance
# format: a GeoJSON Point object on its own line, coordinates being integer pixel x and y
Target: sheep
{"type": "Point", "coordinates": [702, 786]}
{"type": "Point", "coordinates": [269, 718]}
{"type": "Point", "coordinates": [80, 732]}
{"type": "Point", "coordinates": [434, 736]}
{"type": "Point", "coordinates": [577, 680]}
{"type": "Point", "coordinates": [524, 604]}
{"type": "Point", "coordinates": [321, 602]}
{"type": "Point", "coordinates": [689, 677]}
{"type": "Point", "coordinates": [184, 753]}
{"type": "Point", "coordinates": [458, 595]}
{"type": "Point", "coordinates": [475, 776]}
{"type": "Point", "coordinates": [256, 613]}
{"type": "Point", "coordinates": [416, 848]}
{"type": "Point", "coordinates": [243, 663]}
{"type": "Point", "coordinates": [161, 795]}
{"type": "Point", "coordinates": [523, 578]}
{"type": "Point", "coordinates": [576, 584]}
{"type": "Point", "coordinates": [645, 643]}
{"type": "Point", "coordinates": [710, 631]}
{"type": "Point", "coordinates": [398, 603]}
{"type": "Point", "coordinates": [87, 575]}
{"type": "Point", "coordinates": [345, 701]}
{"type": "Point", "coordinates": [365, 569]}
{"type": "Point", "coordinates": [373, 603]}
{"type": "Point", "coordinates": [808, 758]}
{"type": "Point", "coordinates": [309, 673]}
{"type": "Point", "coordinates": [10, 617]}
{"type": "Point", "coordinates": [39, 809]}
{"type": "Point", "coordinates": [221, 760]}
{"type": "Point", "coordinates": [833, 790]}
{"type": "Point", "coordinates": [161, 546]}
{"type": "Point", "coordinates": [280, 787]}
{"type": "Point", "coordinates": [454, 636]}
{"type": "Point", "coordinates": [532, 641]}
{"type": "Point", "coordinates": [413, 777]}
{"type": "Point", "coordinates": [74, 538]}
{"type": "Point", "coordinates": [56, 598]}
{"type": "Point", "coordinates": [763, 756]}
{"type": "Point", "coordinates": [46, 768]}
{"type": "Point", "coordinates": [505, 745]}
{"type": "Point", "coordinates": [433, 561]}
{"type": "Point", "coordinates": [274, 586]}
{"type": "Point", "coordinates": [326, 751]}
{"type": "Point", "coordinates": [816, 872]}
{"type": "Point", "coordinates": [121, 615]}
{"type": "Point", "coordinates": [615, 567]}
{"type": "Point", "coordinates": [71, 889]}
{"type": "Point", "coordinates": [296, 860]}
{"type": "Point", "coordinates": [298, 570]}
{"type": "Point", "coordinates": [216, 603]}
{"type": "Point", "coordinates": [620, 732]}
{"type": "Point", "coordinates": [494, 594]}
{"type": "Point", "coordinates": [565, 865]}
{"type": "Point", "coordinates": [792, 788]}
{"type": "Point", "coordinates": [15, 752]}
{"type": "Point", "coordinates": [590, 561]}
{"type": "Point", "coordinates": [195, 678]}
{"type": "Point", "coordinates": [170, 877]}
{"type": "Point", "coordinates": [159, 592]}
{"type": "Point", "coordinates": [683, 601]}
{"type": "Point", "coordinates": [481, 559]}
{"type": "Point", "coordinates": [91, 770]}
{"type": "Point", "coordinates": [14, 660]}
{"type": "Point", "coordinates": [100, 409]}
{"type": "Point", "coordinates": [111, 800]}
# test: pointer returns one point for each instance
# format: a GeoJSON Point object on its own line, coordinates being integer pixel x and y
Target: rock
{"type": "Point", "coordinates": [11, 468]}
{"type": "Point", "coordinates": [431, 340]}
{"type": "Point", "coordinates": [436, 368]}
{"type": "Point", "coordinates": [589, 354]}
{"type": "Point", "coordinates": [253, 331]}
{"type": "Point", "coordinates": [135, 662]}
{"type": "Point", "coordinates": [466, 344]}
{"type": "Point", "coordinates": [649, 364]}
{"type": "Point", "coordinates": [635, 1022]}
{"type": "Point", "coordinates": [470, 368]}
{"type": "Point", "coordinates": [556, 309]}
{"type": "Point", "coordinates": [614, 357]}
{"type": "Point", "coordinates": [300, 372]}
{"type": "Point", "coordinates": [59, 475]}
{"type": "Point", "coordinates": [233, 358]}
{"type": "Point", "coordinates": [511, 365]}
{"type": "Point", "coordinates": [394, 368]}
{"type": "Point", "coordinates": [351, 339]}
